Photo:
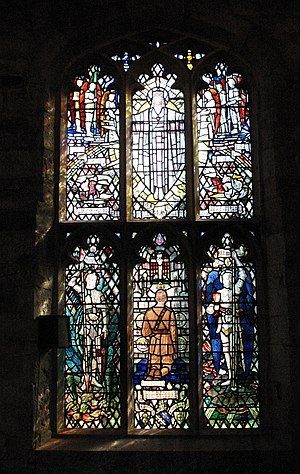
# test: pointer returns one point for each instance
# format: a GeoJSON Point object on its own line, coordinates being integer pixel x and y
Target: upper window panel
{"type": "Point", "coordinates": [224, 159]}
{"type": "Point", "coordinates": [93, 148]}
{"type": "Point", "coordinates": [158, 148]}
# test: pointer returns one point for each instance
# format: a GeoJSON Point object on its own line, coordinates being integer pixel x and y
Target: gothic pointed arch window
{"type": "Point", "coordinates": [157, 209]}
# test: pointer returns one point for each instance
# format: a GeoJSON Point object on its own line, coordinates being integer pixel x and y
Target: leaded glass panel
{"type": "Point", "coordinates": [156, 160]}
{"type": "Point", "coordinates": [230, 352]}
{"type": "Point", "coordinates": [161, 338]}
{"type": "Point", "coordinates": [92, 362]}
{"type": "Point", "coordinates": [93, 148]}
{"type": "Point", "coordinates": [224, 147]}
{"type": "Point", "coordinates": [158, 148]}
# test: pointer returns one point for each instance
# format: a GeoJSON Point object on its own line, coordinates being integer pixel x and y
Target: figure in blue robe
{"type": "Point", "coordinates": [244, 310]}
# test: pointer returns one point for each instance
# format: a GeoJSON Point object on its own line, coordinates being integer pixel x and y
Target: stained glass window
{"type": "Point", "coordinates": [230, 358]}
{"type": "Point", "coordinates": [161, 337]}
{"type": "Point", "coordinates": [225, 163]}
{"type": "Point", "coordinates": [146, 278]}
{"type": "Point", "coordinates": [158, 148]}
{"type": "Point", "coordinates": [92, 370]}
{"type": "Point", "coordinates": [93, 148]}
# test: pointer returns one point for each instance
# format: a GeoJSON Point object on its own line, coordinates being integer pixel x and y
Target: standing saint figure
{"type": "Point", "coordinates": [225, 288]}
{"type": "Point", "coordinates": [159, 325]}
{"type": "Point", "coordinates": [95, 330]}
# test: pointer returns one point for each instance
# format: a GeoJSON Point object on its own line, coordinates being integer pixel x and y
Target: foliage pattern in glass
{"type": "Point", "coordinates": [92, 362]}
{"type": "Point", "coordinates": [93, 148]}
{"type": "Point", "coordinates": [229, 351]}
{"type": "Point", "coordinates": [158, 148]}
{"type": "Point", "coordinates": [161, 338]}
{"type": "Point", "coordinates": [225, 165]}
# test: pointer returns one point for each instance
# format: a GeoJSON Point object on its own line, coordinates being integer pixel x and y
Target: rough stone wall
{"type": "Point", "coordinates": [37, 42]}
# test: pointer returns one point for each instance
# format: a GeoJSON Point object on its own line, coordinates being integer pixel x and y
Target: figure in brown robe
{"type": "Point", "coordinates": [159, 326]}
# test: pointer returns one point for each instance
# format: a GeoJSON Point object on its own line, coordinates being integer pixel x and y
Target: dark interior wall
{"type": "Point", "coordinates": [38, 43]}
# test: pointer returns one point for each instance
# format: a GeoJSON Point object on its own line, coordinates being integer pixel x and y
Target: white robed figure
{"type": "Point", "coordinates": [232, 275]}
{"type": "Point", "coordinates": [158, 135]}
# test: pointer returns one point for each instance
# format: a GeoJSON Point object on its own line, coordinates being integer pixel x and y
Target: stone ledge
{"type": "Point", "coordinates": [206, 441]}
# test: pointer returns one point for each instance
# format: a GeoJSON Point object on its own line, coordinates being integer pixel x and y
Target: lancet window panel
{"type": "Point", "coordinates": [158, 147]}
{"type": "Point", "coordinates": [224, 146]}
{"type": "Point", "coordinates": [161, 373]}
{"type": "Point", "coordinates": [93, 148]}
{"type": "Point", "coordinates": [92, 361]}
{"type": "Point", "coordinates": [230, 371]}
